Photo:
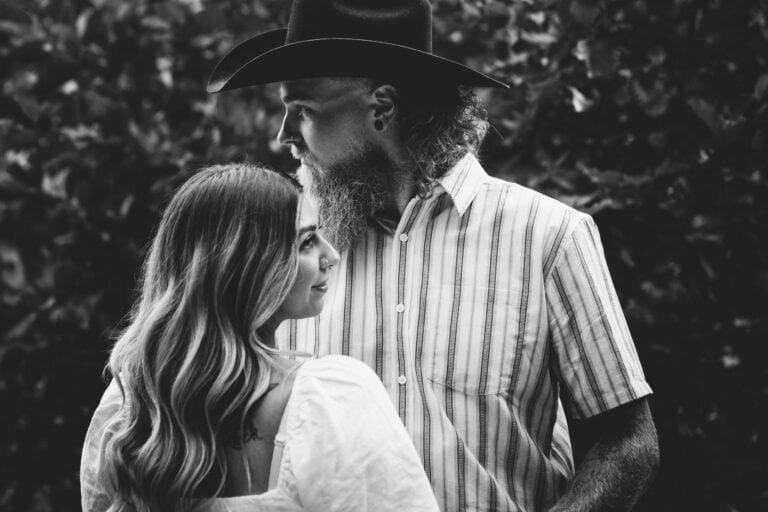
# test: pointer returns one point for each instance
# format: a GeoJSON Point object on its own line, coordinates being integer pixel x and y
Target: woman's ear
{"type": "Point", "coordinates": [384, 106]}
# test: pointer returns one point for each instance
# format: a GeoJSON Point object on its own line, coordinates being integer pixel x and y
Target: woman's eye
{"type": "Point", "coordinates": [309, 242]}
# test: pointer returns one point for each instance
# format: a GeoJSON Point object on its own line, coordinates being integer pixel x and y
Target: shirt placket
{"type": "Point", "coordinates": [402, 308]}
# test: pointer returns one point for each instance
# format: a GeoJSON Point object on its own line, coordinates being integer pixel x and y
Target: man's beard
{"type": "Point", "coordinates": [348, 192]}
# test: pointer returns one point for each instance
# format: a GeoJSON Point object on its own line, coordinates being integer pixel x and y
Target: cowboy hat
{"type": "Point", "coordinates": [357, 38]}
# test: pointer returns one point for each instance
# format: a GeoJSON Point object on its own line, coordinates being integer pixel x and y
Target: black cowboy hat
{"type": "Point", "coordinates": [367, 38]}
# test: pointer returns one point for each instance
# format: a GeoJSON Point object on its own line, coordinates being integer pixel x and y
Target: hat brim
{"type": "Point", "coordinates": [266, 59]}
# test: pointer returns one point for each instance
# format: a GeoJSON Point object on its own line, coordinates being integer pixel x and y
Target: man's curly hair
{"type": "Point", "coordinates": [440, 125]}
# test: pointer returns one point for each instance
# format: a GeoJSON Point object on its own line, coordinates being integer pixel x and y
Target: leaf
{"type": "Point", "coordinates": [55, 185]}
{"type": "Point", "coordinates": [12, 28]}
{"type": "Point", "coordinates": [81, 24]}
{"type": "Point", "coordinates": [706, 113]}
{"type": "Point", "coordinates": [730, 360]}
{"type": "Point", "coordinates": [12, 275]}
{"type": "Point", "coordinates": [538, 38]}
{"type": "Point", "coordinates": [20, 158]}
{"type": "Point", "coordinates": [579, 102]}
{"type": "Point", "coordinates": [30, 108]}
{"type": "Point", "coordinates": [579, 201]}
{"type": "Point", "coordinates": [581, 50]}
{"type": "Point", "coordinates": [175, 11]}
{"type": "Point", "coordinates": [195, 6]}
{"type": "Point", "coordinates": [156, 23]}
{"type": "Point", "coordinates": [499, 14]}
{"type": "Point", "coordinates": [81, 135]}
{"type": "Point", "coordinates": [68, 88]}
{"type": "Point", "coordinates": [537, 17]}
{"type": "Point", "coordinates": [761, 86]}
{"type": "Point", "coordinates": [584, 12]}
{"type": "Point", "coordinates": [601, 59]}
{"type": "Point", "coordinates": [654, 99]}
{"type": "Point", "coordinates": [165, 69]}
{"type": "Point", "coordinates": [606, 203]}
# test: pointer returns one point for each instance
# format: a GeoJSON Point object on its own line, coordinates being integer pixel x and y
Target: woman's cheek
{"type": "Point", "coordinates": [304, 273]}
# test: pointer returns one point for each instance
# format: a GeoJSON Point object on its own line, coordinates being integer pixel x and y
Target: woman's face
{"type": "Point", "coordinates": [316, 257]}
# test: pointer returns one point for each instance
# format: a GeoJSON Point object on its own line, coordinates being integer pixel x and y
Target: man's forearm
{"type": "Point", "coordinates": [618, 467]}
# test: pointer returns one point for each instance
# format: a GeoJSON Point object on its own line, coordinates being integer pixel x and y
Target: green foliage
{"type": "Point", "coordinates": [652, 116]}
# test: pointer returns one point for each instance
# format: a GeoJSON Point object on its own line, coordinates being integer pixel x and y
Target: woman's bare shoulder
{"type": "Point", "coordinates": [249, 466]}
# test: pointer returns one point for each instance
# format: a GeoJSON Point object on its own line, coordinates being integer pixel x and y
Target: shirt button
{"type": "Point", "coordinates": [401, 380]}
{"type": "Point", "coordinates": [403, 237]}
{"type": "Point", "coordinates": [400, 308]}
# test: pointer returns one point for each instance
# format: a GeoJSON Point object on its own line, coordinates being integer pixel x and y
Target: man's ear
{"type": "Point", "coordinates": [384, 106]}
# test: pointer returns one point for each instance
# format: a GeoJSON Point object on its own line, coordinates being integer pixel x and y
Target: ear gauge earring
{"type": "Point", "coordinates": [378, 124]}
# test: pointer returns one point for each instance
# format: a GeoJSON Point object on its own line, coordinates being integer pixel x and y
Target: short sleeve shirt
{"type": "Point", "coordinates": [486, 312]}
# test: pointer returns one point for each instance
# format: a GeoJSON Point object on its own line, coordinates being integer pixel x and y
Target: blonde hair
{"type": "Point", "coordinates": [191, 364]}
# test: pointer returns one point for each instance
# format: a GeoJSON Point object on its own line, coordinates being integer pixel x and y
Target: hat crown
{"type": "Point", "coordinates": [402, 22]}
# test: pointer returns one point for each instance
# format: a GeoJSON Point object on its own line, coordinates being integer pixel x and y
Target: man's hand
{"type": "Point", "coordinates": [619, 465]}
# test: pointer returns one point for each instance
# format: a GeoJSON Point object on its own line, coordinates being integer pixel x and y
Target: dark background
{"type": "Point", "coordinates": [650, 115]}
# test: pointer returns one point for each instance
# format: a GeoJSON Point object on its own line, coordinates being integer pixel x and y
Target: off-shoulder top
{"type": "Point", "coordinates": [340, 447]}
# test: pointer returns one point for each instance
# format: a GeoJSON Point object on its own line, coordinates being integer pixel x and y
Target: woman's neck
{"type": "Point", "coordinates": [267, 332]}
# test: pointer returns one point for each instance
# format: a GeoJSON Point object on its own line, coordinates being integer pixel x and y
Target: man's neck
{"type": "Point", "coordinates": [404, 188]}
{"type": "Point", "coordinates": [405, 193]}
{"type": "Point", "coordinates": [399, 198]}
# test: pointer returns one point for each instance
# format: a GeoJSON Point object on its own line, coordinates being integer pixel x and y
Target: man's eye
{"type": "Point", "coordinates": [301, 112]}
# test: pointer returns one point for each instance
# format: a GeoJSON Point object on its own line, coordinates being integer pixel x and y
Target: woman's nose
{"type": "Point", "coordinates": [333, 256]}
{"type": "Point", "coordinates": [330, 257]}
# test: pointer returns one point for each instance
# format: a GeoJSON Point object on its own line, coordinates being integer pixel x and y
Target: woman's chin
{"type": "Point", "coordinates": [310, 312]}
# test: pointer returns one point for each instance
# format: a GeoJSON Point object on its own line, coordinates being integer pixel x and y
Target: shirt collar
{"type": "Point", "coordinates": [386, 225]}
{"type": "Point", "coordinates": [463, 182]}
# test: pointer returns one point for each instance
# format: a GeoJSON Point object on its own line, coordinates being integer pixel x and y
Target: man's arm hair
{"type": "Point", "coordinates": [619, 466]}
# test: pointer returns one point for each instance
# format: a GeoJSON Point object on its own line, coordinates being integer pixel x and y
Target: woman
{"type": "Point", "coordinates": [203, 412]}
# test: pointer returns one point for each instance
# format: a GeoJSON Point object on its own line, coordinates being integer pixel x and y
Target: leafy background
{"type": "Point", "coordinates": [651, 115]}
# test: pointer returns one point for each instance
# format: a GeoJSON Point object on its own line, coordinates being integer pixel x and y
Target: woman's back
{"type": "Point", "coordinates": [248, 468]}
{"type": "Point", "coordinates": [339, 445]}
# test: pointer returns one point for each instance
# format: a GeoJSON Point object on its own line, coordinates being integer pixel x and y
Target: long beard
{"type": "Point", "coordinates": [347, 193]}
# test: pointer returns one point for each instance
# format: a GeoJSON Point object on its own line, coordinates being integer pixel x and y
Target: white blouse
{"type": "Point", "coordinates": [340, 447]}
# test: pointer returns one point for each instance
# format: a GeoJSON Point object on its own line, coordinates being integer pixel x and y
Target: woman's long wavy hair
{"type": "Point", "coordinates": [191, 364]}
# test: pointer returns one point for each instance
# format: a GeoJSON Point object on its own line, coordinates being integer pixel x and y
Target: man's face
{"type": "Point", "coordinates": [326, 119]}
{"type": "Point", "coordinates": [328, 124]}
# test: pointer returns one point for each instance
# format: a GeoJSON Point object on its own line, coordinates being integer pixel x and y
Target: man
{"type": "Point", "coordinates": [485, 308]}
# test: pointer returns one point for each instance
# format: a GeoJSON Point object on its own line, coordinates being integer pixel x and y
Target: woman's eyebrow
{"type": "Point", "coordinates": [311, 227]}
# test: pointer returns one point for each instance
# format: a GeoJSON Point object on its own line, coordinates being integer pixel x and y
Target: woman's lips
{"type": "Point", "coordinates": [323, 287]}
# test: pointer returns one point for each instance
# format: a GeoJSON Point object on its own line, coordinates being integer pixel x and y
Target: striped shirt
{"type": "Point", "coordinates": [486, 312]}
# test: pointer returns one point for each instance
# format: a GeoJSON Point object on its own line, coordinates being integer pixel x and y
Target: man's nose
{"type": "Point", "coordinates": [287, 134]}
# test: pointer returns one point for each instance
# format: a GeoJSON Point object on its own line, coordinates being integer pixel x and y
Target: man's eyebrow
{"type": "Point", "coordinates": [295, 96]}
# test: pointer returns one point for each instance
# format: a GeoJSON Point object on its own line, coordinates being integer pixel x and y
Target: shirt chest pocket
{"type": "Point", "coordinates": [471, 340]}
